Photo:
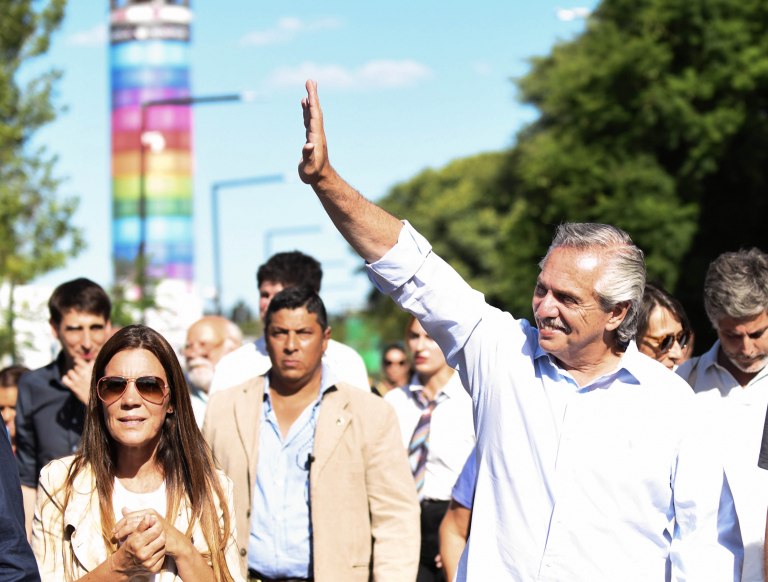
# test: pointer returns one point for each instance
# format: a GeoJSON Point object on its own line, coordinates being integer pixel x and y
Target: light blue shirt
{"type": "Point", "coordinates": [577, 483]}
{"type": "Point", "coordinates": [464, 490]}
{"type": "Point", "coordinates": [281, 526]}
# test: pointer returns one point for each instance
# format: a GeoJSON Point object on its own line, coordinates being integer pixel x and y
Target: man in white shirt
{"type": "Point", "coordinates": [281, 271]}
{"type": "Point", "coordinates": [733, 378]}
{"type": "Point", "coordinates": [587, 450]}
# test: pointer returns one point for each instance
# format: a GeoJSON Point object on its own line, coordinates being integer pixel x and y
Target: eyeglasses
{"type": "Point", "coordinates": [665, 343]}
{"type": "Point", "coordinates": [389, 363]}
{"type": "Point", "coordinates": [150, 388]}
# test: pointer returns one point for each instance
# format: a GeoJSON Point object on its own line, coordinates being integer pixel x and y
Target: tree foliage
{"type": "Point", "coordinates": [35, 231]}
{"type": "Point", "coordinates": [654, 119]}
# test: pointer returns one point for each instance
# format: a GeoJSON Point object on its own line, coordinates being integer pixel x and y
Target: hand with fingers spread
{"type": "Point", "coordinates": [78, 379]}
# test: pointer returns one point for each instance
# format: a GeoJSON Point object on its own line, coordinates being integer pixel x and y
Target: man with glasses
{"type": "Point", "coordinates": [208, 340]}
{"type": "Point", "coordinates": [51, 404]}
{"type": "Point", "coordinates": [733, 377]}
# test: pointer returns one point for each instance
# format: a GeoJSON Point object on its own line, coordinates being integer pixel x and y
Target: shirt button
{"type": "Point", "coordinates": [248, 513]}
{"type": "Point", "coordinates": [243, 551]}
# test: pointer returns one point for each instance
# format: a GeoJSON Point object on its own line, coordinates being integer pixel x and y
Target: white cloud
{"type": "Point", "coordinates": [96, 36]}
{"type": "Point", "coordinates": [379, 74]}
{"type": "Point", "coordinates": [286, 30]}
{"type": "Point", "coordinates": [568, 14]}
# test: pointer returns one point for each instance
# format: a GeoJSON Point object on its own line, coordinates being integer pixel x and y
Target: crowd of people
{"type": "Point", "coordinates": [586, 445]}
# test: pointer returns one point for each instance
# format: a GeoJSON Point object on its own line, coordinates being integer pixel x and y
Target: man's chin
{"type": "Point", "coordinates": [752, 367]}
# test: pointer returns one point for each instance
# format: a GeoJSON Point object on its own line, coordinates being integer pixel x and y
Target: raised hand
{"type": "Point", "coordinates": [314, 154]}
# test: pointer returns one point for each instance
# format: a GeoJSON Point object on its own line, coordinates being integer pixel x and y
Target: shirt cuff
{"type": "Point", "coordinates": [401, 262]}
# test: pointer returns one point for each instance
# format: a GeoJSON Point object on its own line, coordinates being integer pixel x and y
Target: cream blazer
{"type": "Point", "coordinates": [364, 508]}
{"type": "Point", "coordinates": [68, 544]}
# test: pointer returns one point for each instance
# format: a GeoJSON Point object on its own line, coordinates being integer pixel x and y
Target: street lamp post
{"type": "Point", "coordinates": [151, 142]}
{"type": "Point", "coordinates": [215, 187]}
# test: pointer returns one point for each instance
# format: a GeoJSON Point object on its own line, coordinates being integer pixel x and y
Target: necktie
{"type": "Point", "coordinates": [419, 445]}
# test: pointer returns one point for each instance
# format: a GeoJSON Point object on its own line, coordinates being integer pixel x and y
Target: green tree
{"type": "Point", "coordinates": [654, 119]}
{"type": "Point", "coordinates": [36, 235]}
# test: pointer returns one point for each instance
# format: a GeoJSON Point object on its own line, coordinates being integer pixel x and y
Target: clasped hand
{"type": "Point", "coordinates": [145, 538]}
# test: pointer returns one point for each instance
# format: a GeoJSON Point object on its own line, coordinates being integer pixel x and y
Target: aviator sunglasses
{"type": "Point", "coordinates": [150, 388]}
{"type": "Point", "coordinates": [666, 342]}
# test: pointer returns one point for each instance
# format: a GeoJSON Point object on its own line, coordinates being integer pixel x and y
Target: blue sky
{"type": "Point", "coordinates": [404, 86]}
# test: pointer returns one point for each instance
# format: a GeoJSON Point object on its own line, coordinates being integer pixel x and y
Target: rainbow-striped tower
{"type": "Point", "coordinates": [151, 141]}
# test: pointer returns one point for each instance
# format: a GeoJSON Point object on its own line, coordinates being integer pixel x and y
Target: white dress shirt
{"type": "Point", "coordinates": [251, 360]}
{"type": "Point", "coordinates": [741, 413]}
{"type": "Point", "coordinates": [451, 433]}
{"type": "Point", "coordinates": [574, 483]}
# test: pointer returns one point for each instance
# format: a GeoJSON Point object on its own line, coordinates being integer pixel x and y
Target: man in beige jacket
{"type": "Point", "coordinates": [323, 488]}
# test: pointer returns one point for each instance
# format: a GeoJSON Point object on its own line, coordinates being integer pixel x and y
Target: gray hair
{"type": "Point", "coordinates": [736, 285]}
{"type": "Point", "coordinates": [623, 279]}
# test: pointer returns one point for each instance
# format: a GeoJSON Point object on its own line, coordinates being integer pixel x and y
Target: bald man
{"type": "Point", "coordinates": [208, 340]}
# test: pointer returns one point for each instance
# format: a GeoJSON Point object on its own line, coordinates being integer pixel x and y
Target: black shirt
{"type": "Point", "coordinates": [49, 420]}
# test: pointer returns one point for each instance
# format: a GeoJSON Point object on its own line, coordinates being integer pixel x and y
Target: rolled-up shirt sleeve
{"type": "Point", "coordinates": [427, 287]}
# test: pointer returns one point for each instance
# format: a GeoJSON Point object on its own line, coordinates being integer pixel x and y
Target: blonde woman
{"type": "Point", "coordinates": [141, 499]}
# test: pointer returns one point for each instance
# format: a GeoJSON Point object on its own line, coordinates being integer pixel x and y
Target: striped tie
{"type": "Point", "coordinates": [419, 445]}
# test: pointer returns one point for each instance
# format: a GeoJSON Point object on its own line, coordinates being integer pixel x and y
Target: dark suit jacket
{"type": "Point", "coordinates": [364, 509]}
{"type": "Point", "coordinates": [17, 563]}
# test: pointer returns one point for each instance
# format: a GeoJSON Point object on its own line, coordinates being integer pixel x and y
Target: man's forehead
{"type": "Point", "coordinates": [748, 324]}
{"type": "Point", "coordinates": [291, 318]}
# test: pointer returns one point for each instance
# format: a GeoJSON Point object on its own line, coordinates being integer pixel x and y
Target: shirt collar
{"type": "Point", "coordinates": [628, 370]}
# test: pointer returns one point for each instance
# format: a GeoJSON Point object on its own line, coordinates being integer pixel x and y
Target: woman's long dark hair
{"type": "Point", "coordinates": [182, 454]}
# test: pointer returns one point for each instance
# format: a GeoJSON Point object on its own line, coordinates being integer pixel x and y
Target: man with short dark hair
{"type": "Point", "coordinates": [281, 271]}
{"type": "Point", "coordinates": [322, 485]}
{"type": "Point", "coordinates": [51, 404]}
{"type": "Point", "coordinates": [587, 450]}
{"type": "Point", "coordinates": [732, 377]}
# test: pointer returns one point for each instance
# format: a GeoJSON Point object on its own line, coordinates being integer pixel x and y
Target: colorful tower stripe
{"type": "Point", "coordinates": [149, 58]}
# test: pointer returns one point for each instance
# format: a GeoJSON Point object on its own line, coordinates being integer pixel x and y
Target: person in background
{"type": "Point", "coordinates": [281, 271]}
{"type": "Point", "coordinates": [663, 330]}
{"type": "Point", "coordinates": [322, 486]}
{"type": "Point", "coordinates": [9, 393]}
{"type": "Point", "coordinates": [732, 378]}
{"type": "Point", "coordinates": [454, 529]}
{"type": "Point", "coordinates": [208, 340]}
{"type": "Point", "coordinates": [395, 369]}
{"type": "Point", "coordinates": [142, 495]}
{"type": "Point", "coordinates": [436, 425]}
{"type": "Point", "coordinates": [51, 406]}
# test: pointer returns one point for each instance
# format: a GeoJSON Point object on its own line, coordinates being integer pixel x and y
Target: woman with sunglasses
{"type": "Point", "coordinates": [141, 499]}
{"type": "Point", "coordinates": [663, 329]}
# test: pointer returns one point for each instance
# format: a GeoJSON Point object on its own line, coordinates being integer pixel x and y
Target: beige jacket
{"type": "Point", "coordinates": [364, 509]}
{"type": "Point", "coordinates": [68, 544]}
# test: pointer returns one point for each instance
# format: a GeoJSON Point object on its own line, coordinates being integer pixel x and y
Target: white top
{"type": "Point", "coordinates": [451, 433]}
{"type": "Point", "coordinates": [574, 483]}
{"type": "Point", "coordinates": [741, 413]}
{"type": "Point", "coordinates": [122, 497]}
{"type": "Point", "coordinates": [251, 360]}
